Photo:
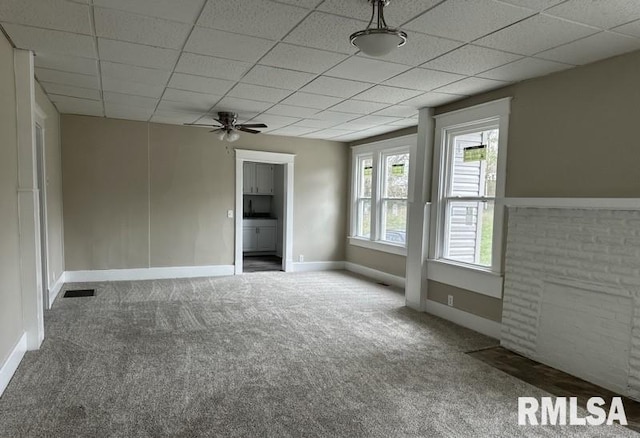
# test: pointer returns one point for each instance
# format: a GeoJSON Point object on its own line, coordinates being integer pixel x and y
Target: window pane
{"type": "Point", "coordinates": [396, 174]}
{"type": "Point", "coordinates": [469, 232]}
{"type": "Point", "coordinates": [365, 169]}
{"type": "Point", "coordinates": [477, 175]}
{"type": "Point", "coordinates": [364, 218]}
{"type": "Point", "coordinates": [394, 222]}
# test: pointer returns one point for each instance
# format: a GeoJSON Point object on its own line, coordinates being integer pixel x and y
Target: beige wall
{"type": "Point", "coordinates": [139, 195]}
{"type": "Point", "coordinates": [382, 261]}
{"type": "Point", "coordinates": [53, 172]}
{"type": "Point", "coordinates": [11, 326]}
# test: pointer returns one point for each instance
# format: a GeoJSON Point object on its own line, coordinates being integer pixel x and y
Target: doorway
{"type": "Point", "coordinates": [264, 211]}
{"type": "Point", "coordinates": [41, 180]}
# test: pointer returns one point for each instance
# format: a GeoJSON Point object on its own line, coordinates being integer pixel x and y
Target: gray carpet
{"type": "Point", "coordinates": [268, 354]}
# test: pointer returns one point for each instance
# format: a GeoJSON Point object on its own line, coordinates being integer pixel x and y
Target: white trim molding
{"type": "Point", "coordinates": [471, 279]}
{"type": "Point", "coordinates": [579, 203]}
{"type": "Point", "coordinates": [317, 266]}
{"type": "Point", "coordinates": [148, 273]}
{"type": "Point", "coordinates": [57, 287]}
{"type": "Point", "coordinates": [393, 280]}
{"type": "Point", "coordinates": [9, 367]}
{"type": "Point", "coordinates": [481, 325]}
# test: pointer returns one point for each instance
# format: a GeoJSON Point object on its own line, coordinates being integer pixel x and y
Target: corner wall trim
{"type": "Point", "coordinates": [57, 287]}
{"type": "Point", "coordinates": [317, 266]}
{"type": "Point", "coordinates": [9, 367]}
{"type": "Point", "coordinates": [148, 273]}
{"type": "Point", "coordinates": [393, 280]}
{"type": "Point", "coordinates": [481, 325]}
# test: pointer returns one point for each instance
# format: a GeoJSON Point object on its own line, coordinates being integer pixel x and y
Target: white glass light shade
{"type": "Point", "coordinates": [378, 43]}
{"type": "Point", "coordinates": [233, 136]}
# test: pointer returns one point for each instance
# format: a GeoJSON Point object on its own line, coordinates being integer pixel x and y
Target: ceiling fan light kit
{"type": "Point", "coordinates": [381, 39]}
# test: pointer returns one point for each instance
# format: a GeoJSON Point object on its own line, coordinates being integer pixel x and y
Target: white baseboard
{"type": "Point", "coordinates": [317, 266]}
{"type": "Point", "coordinates": [57, 287]}
{"type": "Point", "coordinates": [393, 280]}
{"type": "Point", "coordinates": [10, 366]}
{"type": "Point", "coordinates": [148, 273]}
{"type": "Point", "coordinates": [465, 319]}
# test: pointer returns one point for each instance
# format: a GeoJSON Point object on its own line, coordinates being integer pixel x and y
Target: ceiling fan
{"type": "Point", "coordinates": [228, 128]}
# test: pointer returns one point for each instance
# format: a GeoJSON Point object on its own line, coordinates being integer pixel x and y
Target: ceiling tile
{"type": "Point", "coordinates": [258, 92]}
{"type": "Point", "coordinates": [605, 14]}
{"type": "Point", "coordinates": [185, 11]}
{"type": "Point", "coordinates": [71, 91]}
{"type": "Point", "coordinates": [72, 64]}
{"type": "Point", "coordinates": [134, 74]}
{"type": "Point", "coordinates": [377, 130]}
{"type": "Point", "coordinates": [73, 105]}
{"type": "Point", "coordinates": [359, 107]}
{"type": "Point", "coordinates": [335, 116]}
{"type": "Point", "coordinates": [259, 18]}
{"type": "Point", "coordinates": [396, 13]}
{"type": "Point", "coordinates": [354, 125]}
{"type": "Point", "coordinates": [183, 107]}
{"type": "Point", "coordinates": [50, 41]}
{"type": "Point", "coordinates": [420, 48]}
{"type": "Point", "coordinates": [291, 111]}
{"type": "Point", "coordinates": [292, 131]}
{"type": "Point", "coordinates": [134, 88]}
{"type": "Point", "coordinates": [632, 29]}
{"type": "Point", "coordinates": [592, 48]}
{"type": "Point", "coordinates": [50, 14]}
{"type": "Point", "coordinates": [349, 137]}
{"type": "Point", "coordinates": [200, 101]}
{"type": "Point", "coordinates": [536, 34]}
{"type": "Point", "coordinates": [277, 77]}
{"type": "Point", "coordinates": [116, 111]}
{"type": "Point", "coordinates": [431, 99]}
{"type": "Point", "coordinates": [327, 134]}
{"type": "Point", "coordinates": [310, 4]}
{"type": "Point", "coordinates": [335, 87]}
{"type": "Point", "coordinates": [423, 79]}
{"type": "Point", "coordinates": [375, 120]}
{"type": "Point", "coordinates": [273, 121]}
{"type": "Point", "coordinates": [226, 45]}
{"type": "Point", "coordinates": [211, 67]}
{"type": "Point", "coordinates": [469, 60]}
{"type": "Point", "coordinates": [242, 105]}
{"type": "Point", "coordinates": [470, 86]}
{"type": "Point", "coordinates": [467, 20]}
{"type": "Point", "coordinates": [536, 5]}
{"type": "Point", "coordinates": [315, 123]}
{"type": "Point", "coordinates": [398, 111]}
{"type": "Point", "coordinates": [301, 58]}
{"type": "Point", "coordinates": [365, 69]}
{"type": "Point", "coordinates": [326, 31]}
{"type": "Point", "coordinates": [309, 100]}
{"type": "Point", "coordinates": [125, 26]}
{"type": "Point", "coordinates": [174, 118]}
{"type": "Point", "coordinates": [405, 122]}
{"type": "Point", "coordinates": [129, 100]}
{"type": "Point", "coordinates": [63, 77]}
{"type": "Point", "coordinates": [137, 54]}
{"type": "Point", "coordinates": [201, 84]}
{"type": "Point", "coordinates": [524, 69]}
{"type": "Point", "coordinates": [386, 94]}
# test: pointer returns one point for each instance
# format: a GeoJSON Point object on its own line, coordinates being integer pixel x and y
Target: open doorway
{"type": "Point", "coordinates": [42, 205]}
{"type": "Point", "coordinates": [264, 211]}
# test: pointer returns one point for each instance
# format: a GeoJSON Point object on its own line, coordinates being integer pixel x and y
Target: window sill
{"type": "Point", "coordinates": [477, 280]}
{"type": "Point", "coordinates": [378, 246]}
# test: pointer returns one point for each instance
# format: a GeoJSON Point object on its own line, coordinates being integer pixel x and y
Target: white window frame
{"type": "Point", "coordinates": [475, 278]}
{"type": "Point", "coordinates": [377, 151]}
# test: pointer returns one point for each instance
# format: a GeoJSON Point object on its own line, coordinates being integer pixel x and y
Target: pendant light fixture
{"type": "Point", "coordinates": [381, 39]}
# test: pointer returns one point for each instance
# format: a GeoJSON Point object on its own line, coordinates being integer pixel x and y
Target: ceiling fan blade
{"type": "Point", "coordinates": [252, 125]}
{"type": "Point", "coordinates": [199, 124]}
{"type": "Point", "coordinates": [216, 130]}
{"type": "Point", "coordinates": [243, 129]}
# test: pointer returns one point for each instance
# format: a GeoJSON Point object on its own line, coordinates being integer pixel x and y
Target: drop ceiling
{"type": "Point", "coordinates": [289, 64]}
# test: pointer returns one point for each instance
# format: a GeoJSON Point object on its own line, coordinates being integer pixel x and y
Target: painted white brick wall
{"type": "Point", "coordinates": [589, 262]}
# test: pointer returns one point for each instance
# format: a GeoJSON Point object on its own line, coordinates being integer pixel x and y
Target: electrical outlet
{"type": "Point", "coordinates": [450, 300]}
{"type": "Point", "coordinates": [301, 258]}
{"type": "Point", "coordinates": [230, 214]}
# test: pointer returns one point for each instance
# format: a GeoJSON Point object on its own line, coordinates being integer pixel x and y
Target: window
{"type": "Point", "coordinates": [380, 194]}
{"type": "Point", "coordinates": [467, 213]}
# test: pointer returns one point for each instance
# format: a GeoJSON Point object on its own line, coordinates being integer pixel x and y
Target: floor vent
{"type": "Point", "coordinates": [80, 293]}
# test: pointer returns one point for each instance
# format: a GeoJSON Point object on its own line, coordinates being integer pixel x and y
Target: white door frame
{"type": "Point", "coordinates": [39, 117]}
{"type": "Point", "coordinates": [287, 160]}
{"type": "Point", "coordinates": [28, 201]}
